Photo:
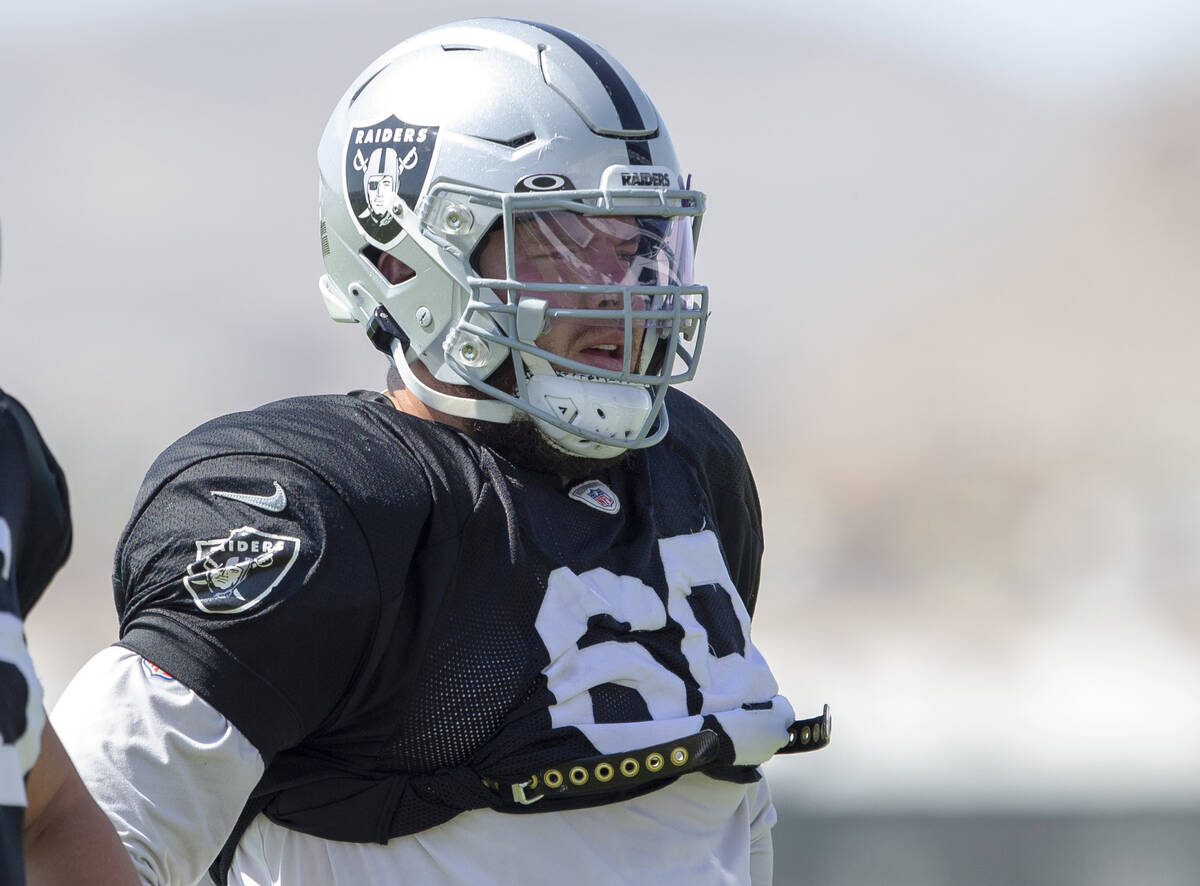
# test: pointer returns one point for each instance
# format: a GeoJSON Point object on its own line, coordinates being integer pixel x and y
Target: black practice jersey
{"type": "Point", "coordinates": [389, 610]}
{"type": "Point", "coordinates": [35, 538]}
{"type": "Point", "coordinates": [33, 505]}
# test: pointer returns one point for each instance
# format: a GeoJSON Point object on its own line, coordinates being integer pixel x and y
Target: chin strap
{"type": "Point", "coordinates": [463, 407]}
{"type": "Point", "coordinates": [387, 336]}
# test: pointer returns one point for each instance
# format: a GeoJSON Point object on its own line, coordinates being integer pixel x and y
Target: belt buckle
{"type": "Point", "coordinates": [518, 793]}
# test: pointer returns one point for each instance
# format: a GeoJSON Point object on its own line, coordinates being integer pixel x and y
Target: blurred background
{"type": "Point", "coordinates": [954, 251]}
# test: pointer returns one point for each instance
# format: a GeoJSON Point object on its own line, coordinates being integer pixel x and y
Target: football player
{"type": "Point", "coordinates": [48, 821]}
{"type": "Point", "coordinates": [491, 625]}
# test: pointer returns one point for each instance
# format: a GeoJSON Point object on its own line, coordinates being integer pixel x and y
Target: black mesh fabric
{"type": "Point", "coordinates": [398, 660]}
{"type": "Point", "coordinates": [714, 611]}
{"type": "Point", "coordinates": [614, 703]}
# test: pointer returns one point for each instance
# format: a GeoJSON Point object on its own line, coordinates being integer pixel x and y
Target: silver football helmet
{"type": "Point", "coordinates": [528, 191]}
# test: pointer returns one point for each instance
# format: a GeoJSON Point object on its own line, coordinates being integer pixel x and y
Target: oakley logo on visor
{"type": "Point", "coordinates": [544, 181]}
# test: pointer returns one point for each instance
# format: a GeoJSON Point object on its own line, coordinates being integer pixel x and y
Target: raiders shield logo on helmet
{"type": "Point", "coordinates": [386, 164]}
{"type": "Point", "coordinates": [234, 573]}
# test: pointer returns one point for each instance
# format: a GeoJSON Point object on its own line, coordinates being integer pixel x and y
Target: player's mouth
{"type": "Point", "coordinates": [603, 355]}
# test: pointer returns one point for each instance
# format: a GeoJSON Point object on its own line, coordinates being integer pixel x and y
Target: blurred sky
{"type": "Point", "coordinates": [1065, 47]}
{"type": "Point", "coordinates": [952, 254]}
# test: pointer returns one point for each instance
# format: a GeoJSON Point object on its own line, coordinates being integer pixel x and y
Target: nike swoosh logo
{"type": "Point", "coordinates": [273, 503]}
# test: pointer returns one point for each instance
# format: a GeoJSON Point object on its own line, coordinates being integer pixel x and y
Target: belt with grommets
{"type": "Point", "coordinates": [610, 772]}
{"type": "Point", "coordinates": [617, 772]}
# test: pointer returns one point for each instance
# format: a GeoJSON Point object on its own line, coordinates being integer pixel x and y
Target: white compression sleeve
{"type": "Point", "coordinates": [166, 767]}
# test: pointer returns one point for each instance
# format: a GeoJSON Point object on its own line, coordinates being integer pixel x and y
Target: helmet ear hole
{"type": "Point", "coordinates": [392, 269]}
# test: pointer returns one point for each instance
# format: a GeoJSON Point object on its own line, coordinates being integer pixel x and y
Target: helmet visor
{"type": "Point", "coordinates": [630, 253]}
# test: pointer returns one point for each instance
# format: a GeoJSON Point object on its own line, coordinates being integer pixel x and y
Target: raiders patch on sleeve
{"type": "Point", "coordinates": [256, 599]}
{"type": "Point", "coordinates": [234, 573]}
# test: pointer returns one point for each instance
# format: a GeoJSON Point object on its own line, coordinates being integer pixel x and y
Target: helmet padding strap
{"type": "Point", "coordinates": [463, 407]}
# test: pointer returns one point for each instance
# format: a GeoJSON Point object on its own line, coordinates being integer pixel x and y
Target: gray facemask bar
{"type": "Point", "coordinates": [524, 321]}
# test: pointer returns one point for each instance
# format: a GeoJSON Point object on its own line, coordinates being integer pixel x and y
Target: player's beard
{"type": "Point", "coordinates": [522, 442]}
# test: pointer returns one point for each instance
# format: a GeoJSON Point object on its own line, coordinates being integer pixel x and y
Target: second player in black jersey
{"type": "Point", "coordinates": [35, 537]}
{"type": "Point", "coordinates": [50, 829]}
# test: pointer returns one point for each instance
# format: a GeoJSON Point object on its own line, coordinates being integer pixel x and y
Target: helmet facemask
{"type": "Point", "coordinates": [590, 293]}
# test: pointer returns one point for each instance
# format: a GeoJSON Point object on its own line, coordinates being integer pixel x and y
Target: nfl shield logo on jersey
{"type": "Point", "coordinates": [153, 670]}
{"type": "Point", "coordinates": [234, 573]}
{"type": "Point", "coordinates": [595, 494]}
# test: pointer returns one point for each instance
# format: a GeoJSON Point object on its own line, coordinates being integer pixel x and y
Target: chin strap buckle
{"type": "Point", "coordinates": [382, 330]}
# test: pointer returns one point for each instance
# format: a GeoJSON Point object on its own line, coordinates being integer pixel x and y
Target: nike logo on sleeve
{"type": "Point", "coordinates": [272, 503]}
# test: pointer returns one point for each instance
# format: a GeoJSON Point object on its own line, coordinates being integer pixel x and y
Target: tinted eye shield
{"type": "Point", "coordinates": [554, 246]}
{"type": "Point", "coordinates": [555, 271]}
